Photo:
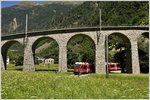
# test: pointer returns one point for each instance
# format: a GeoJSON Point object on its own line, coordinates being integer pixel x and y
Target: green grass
{"type": "Point", "coordinates": [40, 67]}
{"type": "Point", "coordinates": [13, 67]}
{"type": "Point", "coordinates": [44, 67]}
{"type": "Point", "coordinates": [52, 85]}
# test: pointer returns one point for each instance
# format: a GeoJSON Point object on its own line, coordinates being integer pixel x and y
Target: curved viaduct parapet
{"type": "Point", "coordinates": [71, 30]}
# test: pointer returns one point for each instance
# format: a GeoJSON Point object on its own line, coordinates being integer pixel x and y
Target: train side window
{"type": "Point", "coordinates": [85, 67]}
{"type": "Point", "coordinates": [112, 66]}
{"type": "Point", "coordinates": [118, 65]}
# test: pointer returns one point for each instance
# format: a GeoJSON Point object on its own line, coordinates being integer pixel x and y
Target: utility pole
{"type": "Point", "coordinates": [26, 25]}
{"type": "Point", "coordinates": [98, 33]}
{"type": "Point", "coordinates": [107, 56]}
{"type": "Point", "coordinates": [26, 30]}
{"type": "Point", "coordinates": [100, 19]}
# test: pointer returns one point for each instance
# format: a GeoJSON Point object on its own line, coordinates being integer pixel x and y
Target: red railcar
{"type": "Point", "coordinates": [83, 68]}
{"type": "Point", "coordinates": [114, 67]}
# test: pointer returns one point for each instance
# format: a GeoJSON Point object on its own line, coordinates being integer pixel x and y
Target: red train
{"type": "Point", "coordinates": [84, 67]}
{"type": "Point", "coordinates": [114, 67]}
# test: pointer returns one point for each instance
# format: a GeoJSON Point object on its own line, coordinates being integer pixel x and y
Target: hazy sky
{"type": "Point", "coordinates": [8, 3]}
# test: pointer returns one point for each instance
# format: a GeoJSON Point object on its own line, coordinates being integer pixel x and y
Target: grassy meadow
{"type": "Point", "coordinates": [45, 83]}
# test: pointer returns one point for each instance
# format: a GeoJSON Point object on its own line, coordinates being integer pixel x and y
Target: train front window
{"type": "Point", "coordinates": [85, 67]}
{"type": "Point", "coordinates": [77, 66]}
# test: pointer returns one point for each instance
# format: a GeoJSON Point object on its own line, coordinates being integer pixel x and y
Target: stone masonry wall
{"type": "Point", "coordinates": [62, 40]}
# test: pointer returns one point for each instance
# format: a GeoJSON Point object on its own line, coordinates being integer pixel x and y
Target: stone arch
{"type": "Point", "coordinates": [4, 50]}
{"type": "Point", "coordinates": [127, 43]}
{"type": "Point", "coordinates": [35, 43]}
{"type": "Point", "coordinates": [89, 39]}
{"type": "Point", "coordinates": [143, 51]}
{"type": "Point", "coordinates": [80, 34]}
{"type": "Point", "coordinates": [146, 34]}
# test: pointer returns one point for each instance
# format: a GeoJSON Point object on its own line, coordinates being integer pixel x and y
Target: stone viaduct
{"type": "Point", "coordinates": [62, 37]}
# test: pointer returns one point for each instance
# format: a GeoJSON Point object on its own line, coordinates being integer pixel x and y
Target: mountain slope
{"type": "Point", "coordinates": [113, 14]}
{"type": "Point", "coordinates": [39, 15]}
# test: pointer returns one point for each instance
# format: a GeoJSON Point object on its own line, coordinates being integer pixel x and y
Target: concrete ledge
{"type": "Point", "coordinates": [71, 30]}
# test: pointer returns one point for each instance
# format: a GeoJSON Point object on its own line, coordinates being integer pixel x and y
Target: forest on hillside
{"type": "Point", "coordinates": [86, 14]}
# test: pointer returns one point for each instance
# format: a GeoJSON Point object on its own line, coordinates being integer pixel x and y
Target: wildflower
{"type": "Point", "coordinates": [32, 97]}
{"type": "Point", "coordinates": [114, 90]}
{"type": "Point", "coordinates": [123, 96]}
{"type": "Point", "coordinates": [131, 89]}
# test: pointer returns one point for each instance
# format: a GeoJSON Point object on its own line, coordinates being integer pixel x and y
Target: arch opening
{"type": "Point", "coordinates": [119, 53]}
{"type": "Point", "coordinates": [80, 48]}
{"type": "Point", "coordinates": [45, 52]}
{"type": "Point", "coordinates": [143, 51]}
{"type": "Point", "coordinates": [12, 53]}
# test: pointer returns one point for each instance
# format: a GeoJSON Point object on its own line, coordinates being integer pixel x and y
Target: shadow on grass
{"type": "Point", "coordinates": [39, 69]}
{"type": "Point", "coordinates": [54, 70]}
{"type": "Point", "coordinates": [17, 69]}
{"type": "Point", "coordinates": [70, 70]}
